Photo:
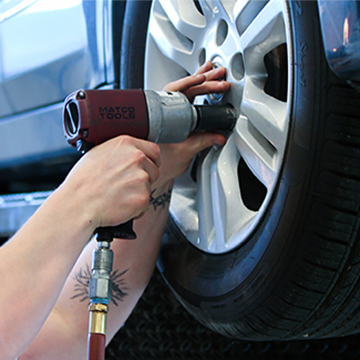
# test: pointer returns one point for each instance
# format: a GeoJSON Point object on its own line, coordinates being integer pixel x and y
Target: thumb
{"type": "Point", "coordinates": [201, 141]}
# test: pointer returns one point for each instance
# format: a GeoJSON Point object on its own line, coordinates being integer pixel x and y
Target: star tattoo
{"type": "Point", "coordinates": [118, 288]}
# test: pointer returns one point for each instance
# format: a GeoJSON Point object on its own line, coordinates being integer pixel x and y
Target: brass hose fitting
{"type": "Point", "coordinates": [98, 318]}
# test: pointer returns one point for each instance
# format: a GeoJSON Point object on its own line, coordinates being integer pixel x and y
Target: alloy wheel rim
{"type": "Point", "coordinates": [219, 202]}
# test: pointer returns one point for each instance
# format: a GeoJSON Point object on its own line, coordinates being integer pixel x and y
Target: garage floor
{"type": "Point", "coordinates": [160, 328]}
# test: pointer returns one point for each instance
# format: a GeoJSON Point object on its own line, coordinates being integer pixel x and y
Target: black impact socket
{"type": "Point", "coordinates": [217, 117]}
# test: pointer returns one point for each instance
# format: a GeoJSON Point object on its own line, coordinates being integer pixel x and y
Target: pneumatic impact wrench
{"type": "Point", "coordinates": [91, 117]}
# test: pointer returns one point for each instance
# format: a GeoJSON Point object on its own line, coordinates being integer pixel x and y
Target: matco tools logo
{"type": "Point", "coordinates": [117, 113]}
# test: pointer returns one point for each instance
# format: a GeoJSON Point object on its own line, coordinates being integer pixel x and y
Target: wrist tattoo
{"type": "Point", "coordinates": [118, 288]}
{"type": "Point", "coordinates": [162, 200]}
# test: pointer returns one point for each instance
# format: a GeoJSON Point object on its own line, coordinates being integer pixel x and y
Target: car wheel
{"type": "Point", "coordinates": [262, 241]}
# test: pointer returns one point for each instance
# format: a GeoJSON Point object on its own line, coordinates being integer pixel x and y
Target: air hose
{"type": "Point", "coordinates": [100, 294]}
{"type": "Point", "coordinates": [96, 346]}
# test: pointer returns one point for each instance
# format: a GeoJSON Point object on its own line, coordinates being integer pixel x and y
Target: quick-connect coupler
{"type": "Point", "coordinates": [100, 287]}
{"type": "Point", "coordinates": [100, 283]}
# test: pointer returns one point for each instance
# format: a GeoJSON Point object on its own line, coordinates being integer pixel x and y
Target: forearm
{"type": "Point", "coordinates": [39, 258]}
{"type": "Point", "coordinates": [139, 258]}
{"type": "Point", "coordinates": [134, 261]}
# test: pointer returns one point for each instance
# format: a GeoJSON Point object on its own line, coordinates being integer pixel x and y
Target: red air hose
{"type": "Point", "coordinates": [96, 346]}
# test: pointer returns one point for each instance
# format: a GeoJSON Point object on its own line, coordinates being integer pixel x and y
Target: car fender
{"type": "Point", "coordinates": [340, 26]}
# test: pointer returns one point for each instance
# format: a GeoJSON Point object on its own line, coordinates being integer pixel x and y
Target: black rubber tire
{"type": "Point", "coordinates": [133, 44]}
{"type": "Point", "coordinates": [298, 274]}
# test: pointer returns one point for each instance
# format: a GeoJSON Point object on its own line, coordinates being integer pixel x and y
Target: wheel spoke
{"type": "Point", "coordinates": [228, 6]}
{"type": "Point", "coordinates": [175, 27]}
{"type": "Point", "coordinates": [222, 213]}
{"type": "Point", "coordinates": [227, 194]}
{"type": "Point", "coordinates": [205, 204]}
{"type": "Point", "coordinates": [264, 33]}
{"type": "Point", "coordinates": [184, 16]}
{"type": "Point", "coordinates": [255, 150]}
{"type": "Point", "coordinates": [245, 12]}
{"type": "Point", "coordinates": [266, 113]}
{"type": "Point", "coordinates": [172, 43]}
{"type": "Point", "coordinates": [261, 132]}
{"type": "Point", "coordinates": [216, 6]}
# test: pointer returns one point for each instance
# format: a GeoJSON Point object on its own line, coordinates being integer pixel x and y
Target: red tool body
{"type": "Point", "coordinates": [94, 116]}
{"type": "Point", "coordinates": [97, 116]}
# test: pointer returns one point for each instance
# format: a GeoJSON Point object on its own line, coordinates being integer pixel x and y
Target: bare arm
{"type": "Point", "coordinates": [35, 263]}
{"type": "Point", "coordinates": [134, 261]}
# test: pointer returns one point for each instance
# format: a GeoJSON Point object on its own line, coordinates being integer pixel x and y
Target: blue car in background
{"type": "Point", "coordinates": [48, 49]}
{"type": "Point", "coordinates": [263, 237]}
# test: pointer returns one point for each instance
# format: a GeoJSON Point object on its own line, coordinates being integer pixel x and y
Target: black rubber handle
{"type": "Point", "coordinates": [122, 231]}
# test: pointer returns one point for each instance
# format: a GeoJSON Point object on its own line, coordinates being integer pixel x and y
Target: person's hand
{"type": "Point", "coordinates": [113, 180]}
{"type": "Point", "coordinates": [176, 158]}
{"type": "Point", "coordinates": [206, 80]}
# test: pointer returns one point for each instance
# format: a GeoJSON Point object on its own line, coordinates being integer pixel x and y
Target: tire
{"type": "Point", "coordinates": [291, 271]}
